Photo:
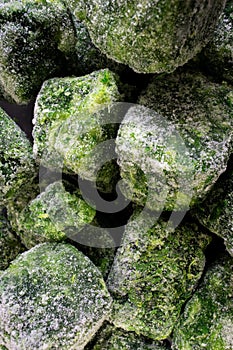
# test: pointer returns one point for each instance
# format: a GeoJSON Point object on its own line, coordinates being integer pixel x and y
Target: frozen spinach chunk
{"type": "Point", "coordinates": [215, 213]}
{"type": "Point", "coordinates": [111, 338]}
{"type": "Point", "coordinates": [36, 37]}
{"type": "Point", "coordinates": [154, 272]}
{"type": "Point", "coordinates": [150, 36]}
{"type": "Point", "coordinates": [207, 321]}
{"type": "Point", "coordinates": [52, 296]}
{"type": "Point", "coordinates": [16, 159]}
{"type": "Point", "coordinates": [52, 215]}
{"type": "Point", "coordinates": [70, 122]}
{"type": "Point", "coordinates": [172, 149]}
{"type": "Point", "coordinates": [10, 245]}
{"type": "Point", "coordinates": [217, 57]}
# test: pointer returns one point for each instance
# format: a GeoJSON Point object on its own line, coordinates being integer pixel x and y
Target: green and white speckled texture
{"type": "Point", "coordinates": [207, 321]}
{"type": "Point", "coordinates": [64, 98]}
{"type": "Point", "coordinates": [111, 338]}
{"type": "Point", "coordinates": [178, 170]}
{"type": "Point", "coordinates": [16, 159]}
{"type": "Point", "coordinates": [10, 245]}
{"type": "Point", "coordinates": [35, 38]}
{"type": "Point", "coordinates": [50, 216]}
{"type": "Point", "coordinates": [154, 272]}
{"type": "Point", "coordinates": [215, 213]}
{"type": "Point", "coordinates": [217, 57]}
{"type": "Point", "coordinates": [149, 35]}
{"type": "Point", "coordinates": [51, 297]}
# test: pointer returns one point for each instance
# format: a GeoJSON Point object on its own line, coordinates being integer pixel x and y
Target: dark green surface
{"type": "Point", "coordinates": [154, 272]}
{"type": "Point", "coordinates": [111, 338]}
{"type": "Point", "coordinates": [216, 212]}
{"type": "Point", "coordinates": [16, 159]}
{"type": "Point", "coordinates": [207, 321]}
{"type": "Point", "coordinates": [217, 57]}
{"type": "Point", "coordinates": [36, 37]}
{"type": "Point", "coordinates": [10, 245]}
{"type": "Point", "coordinates": [149, 36]}
{"type": "Point", "coordinates": [51, 215]}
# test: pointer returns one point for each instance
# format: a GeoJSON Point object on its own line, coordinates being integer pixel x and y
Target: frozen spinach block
{"type": "Point", "coordinates": [36, 38]}
{"type": "Point", "coordinates": [149, 36]}
{"type": "Point", "coordinates": [154, 272]}
{"type": "Point", "coordinates": [207, 321]}
{"type": "Point", "coordinates": [70, 122]}
{"type": "Point", "coordinates": [16, 159]}
{"type": "Point", "coordinates": [172, 149]}
{"type": "Point", "coordinates": [215, 213]}
{"type": "Point", "coordinates": [217, 57]}
{"type": "Point", "coordinates": [52, 296]}
{"type": "Point", "coordinates": [87, 57]}
{"type": "Point", "coordinates": [14, 207]}
{"type": "Point", "coordinates": [52, 216]}
{"type": "Point", "coordinates": [111, 338]}
{"type": "Point", "coordinates": [10, 245]}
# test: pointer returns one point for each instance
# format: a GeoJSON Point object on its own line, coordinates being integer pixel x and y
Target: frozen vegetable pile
{"type": "Point", "coordinates": [116, 225]}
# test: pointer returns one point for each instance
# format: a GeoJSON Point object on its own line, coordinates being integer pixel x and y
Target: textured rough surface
{"type": "Point", "coordinates": [215, 213]}
{"type": "Point", "coordinates": [15, 206]}
{"type": "Point", "coordinates": [36, 37]}
{"type": "Point", "coordinates": [111, 338]}
{"type": "Point", "coordinates": [207, 321]}
{"type": "Point", "coordinates": [16, 159]}
{"type": "Point", "coordinates": [10, 245]}
{"type": "Point", "coordinates": [149, 36]}
{"type": "Point", "coordinates": [87, 57]}
{"type": "Point", "coordinates": [68, 123]}
{"type": "Point", "coordinates": [51, 297]}
{"type": "Point", "coordinates": [172, 152]}
{"type": "Point", "coordinates": [154, 272]}
{"type": "Point", "coordinates": [98, 245]}
{"type": "Point", "coordinates": [52, 215]}
{"type": "Point", "coordinates": [217, 57]}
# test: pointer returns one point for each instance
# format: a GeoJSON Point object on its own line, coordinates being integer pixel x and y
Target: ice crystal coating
{"type": "Point", "coordinates": [149, 36]}
{"type": "Point", "coordinates": [16, 159]}
{"type": "Point", "coordinates": [87, 57]}
{"type": "Point", "coordinates": [207, 321]}
{"type": "Point", "coordinates": [10, 245]}
{"type": "Point", "coordinates": [36, 37]}
{"type": "Point", "coordinates": [51, 297]}
{"type": "Point", "coordinates": [215, 213]}
{"type": "Point", "coordinates": [172, 152]}
{"type": "Point", "coordinates": [111, 338]}
{"type": "Point", "coordinates": [154, 272]}
{"type": "Point", "coordinates": [68, 123]}
{"type": "Point", "coordinates": [51, 215]}
{"type": "Point", "coordinates": [217, 57]}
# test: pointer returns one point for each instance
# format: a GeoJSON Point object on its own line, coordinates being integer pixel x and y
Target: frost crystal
{"type": "Point", "coordinates": [51, 297]}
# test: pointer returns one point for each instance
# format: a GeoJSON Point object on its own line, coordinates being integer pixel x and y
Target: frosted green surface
{"type": "Point", "coordinates": [171, 152]}
{"type": "Point", "coordinates": [10, 245]}
{"type": "Point", "coordinates": [16, 159]}
{"type": "Point", "coordinates": [149, 35]}
{"type": "Point", "coordinates": [217, 57]}
{"type": "Point", "coordinates": [52, 214]}
{"type": "Point", "coordinates": [207, 321]}
{"type": "Point", "coordinates": [215, 213]}
{"type": "Point", "coordinates": [111, 338]}
{"type": "Point", "coordinates": [36, 37]}
{"type": "Point", "coordinates": [51, 297]}
{"type": "Point", "coordinates": [154, 272]}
